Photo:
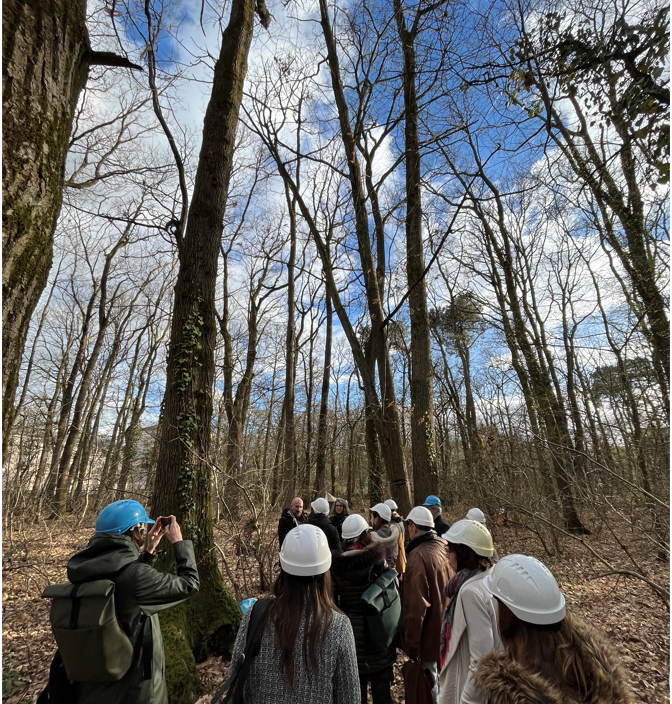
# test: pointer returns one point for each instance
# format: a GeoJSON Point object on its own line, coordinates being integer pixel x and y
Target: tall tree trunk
{"type": "Point", "coordinates": [44, 67]}
{"type": "Point", "coordinates": [66, 402]}
{"type": "Point", "coordinates": [320, 473]}
{"type": "Point", "coordinates": [387, 415]}
{"type": "Point", "coordinates": [29, 367]}
{"type": "Point", "coordinates": [60, 500]}
{"type": "Point", "coordinates": [277, 462]}
{"type": "Point", "coordinates": [47, 444]}
{"type": "Point", "coordinates": [209, 620]}
{"type": "Point", "coordinates": [305, 482]}
{"type": "Point", "coordinates": [45, 60]}
{"type": "Point", "coordinates": [241, 403]}
{"type": "Point", "coordinates": [289, 459]}
{"type": "Point", "coordinates": [132, 432]}
{"type": "Point", "coordinates": [425, 475]}
{"type": "Point", "coordinates": [269, 422]}
{"type": "Point", "coordinates": [92, 435]}
{"type": "Point", "coordinates": [109, 467]}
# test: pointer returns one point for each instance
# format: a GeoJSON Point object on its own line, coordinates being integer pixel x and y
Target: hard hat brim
{"type": "Point", "coordinates": [422, 524]}
{"type": "Point", "coordinates": [350, 536]}
{"type": "Point", "coordinates": [305, 570]}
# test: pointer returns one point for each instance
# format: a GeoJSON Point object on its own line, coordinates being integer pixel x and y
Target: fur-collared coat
{"type": "Point", "coordinates": [506, 681]}
{"type": "Point", "coordinates": [351, 574]}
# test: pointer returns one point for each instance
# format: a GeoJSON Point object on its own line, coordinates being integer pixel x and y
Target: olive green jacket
{"type": "Point", "coordinates": [139, 590]}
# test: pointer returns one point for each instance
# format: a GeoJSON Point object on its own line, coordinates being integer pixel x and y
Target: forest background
{"type": "Point", "coordinates": [375, 249]}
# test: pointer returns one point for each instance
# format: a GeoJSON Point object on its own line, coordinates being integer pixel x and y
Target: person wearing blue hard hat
{"type": "Point", "coordinates": [119, 516]}
{"type": "Point", "coordinates": [115, 552]}
{"type": "Point", "coordinates": [433, 503]}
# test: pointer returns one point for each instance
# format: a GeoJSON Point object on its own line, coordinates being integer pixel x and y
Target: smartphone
{"type": "Point", "coordinates": [166, 521]}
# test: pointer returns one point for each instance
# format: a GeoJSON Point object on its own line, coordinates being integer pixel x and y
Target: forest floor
{"type": "Point", "coordinates": [35, 555]}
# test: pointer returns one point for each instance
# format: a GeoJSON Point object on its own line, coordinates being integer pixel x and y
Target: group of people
{"type": "Point", "coordinates": [485, 630]}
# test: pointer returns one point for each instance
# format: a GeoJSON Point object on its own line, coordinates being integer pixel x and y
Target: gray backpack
{"type": "Point", "coordinates": [90, 640]}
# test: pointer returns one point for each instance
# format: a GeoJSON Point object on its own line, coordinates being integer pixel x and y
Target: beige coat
{"type": "Point", "coordinates": [474, 635]}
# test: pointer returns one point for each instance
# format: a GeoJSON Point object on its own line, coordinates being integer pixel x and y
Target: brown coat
{"type": "Point", "coordinates": [423, 602]}
{"type": "Point", "coordinates": [506, 681]}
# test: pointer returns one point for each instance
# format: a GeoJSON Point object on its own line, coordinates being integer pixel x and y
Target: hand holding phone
{"type": "Point", "coordinates": [172, 530]}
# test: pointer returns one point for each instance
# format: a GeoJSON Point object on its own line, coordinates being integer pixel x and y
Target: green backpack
{"type": "Point", "coordinates": [382, 611]}
{"type": "Point", "coordinates": [90, 640]}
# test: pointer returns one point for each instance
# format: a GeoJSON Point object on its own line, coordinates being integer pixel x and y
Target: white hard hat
{"type": "Point", "coordinates": [475, 514]}
{"type": "Point", "coordinates": [528, 588]}
{"type": "Point", "coordinates": [421, 516]}
{"type": "Point", "coordinates": [305, 551]}
{"type": "Point", "coordinates": [353, 526]}
{"type": "Point", "coordinates": [320, 506]}
{"type": "Point", "coordinates": [472, 534]}
{"type": "Point", "coordinates": [384, 511]}
{"type": "Point", "coordinates": [392, 504]}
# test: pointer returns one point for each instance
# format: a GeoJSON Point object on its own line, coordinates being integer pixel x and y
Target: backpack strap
{"type": "Point", "coordinates": [74, 609]}
{"type": "Point", "coordinates": [147, 648]}
{"type": "Point", "coordinates": [255, 630]}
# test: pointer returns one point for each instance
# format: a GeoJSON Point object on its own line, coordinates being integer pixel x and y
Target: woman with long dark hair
{"type": "Point", "coordinates": [549, 656]}
{"type": "Point", "coordinates": [307, 650]}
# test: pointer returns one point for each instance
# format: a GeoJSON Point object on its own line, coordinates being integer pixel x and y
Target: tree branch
{"type": "Point", "coordinates": [109, 58]}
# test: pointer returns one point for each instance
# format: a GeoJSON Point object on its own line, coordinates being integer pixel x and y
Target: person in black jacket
{"type": "Point", "coordinates": [352, 573]}
{"type": "Point", "coordinates": [340, 512]}
{"type": "Point", "coordinates": [433, 503]}
{"type": "Point", "coordinates": [291, 517]}
{"type": "Point", "coordinates": [319, 518]}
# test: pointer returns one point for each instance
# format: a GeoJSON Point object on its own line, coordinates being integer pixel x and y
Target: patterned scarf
{"type": "Point", "coordinates": [451, 591]}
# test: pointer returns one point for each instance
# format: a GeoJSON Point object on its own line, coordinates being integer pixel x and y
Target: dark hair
{"type": "Point", "coordinates": [295, 598]}
{"type": "Point", "coordinates": [363, 539]}
{"type": "Point", "coordinates": [468, 557]}
{"type": "Point", "coordinates": [383, 522]}
{"type": "Point", "coordinates": [550, 649]}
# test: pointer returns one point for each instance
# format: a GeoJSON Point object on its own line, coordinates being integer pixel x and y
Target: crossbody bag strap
{"type": "Point", "coordinates": [147, 648]}
{"type": "Point", "coordinates": [255, 632]}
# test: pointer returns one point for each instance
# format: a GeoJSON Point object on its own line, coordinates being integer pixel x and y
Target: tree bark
{"type": "Point", "coordinates": [183, 477]}
{"type": "Point", "coordinates": [321, 470]}
{"type": "Point", "coordinates": [7, 431]}
{"type": "Point", "coordinates": [289, 458]}
{"type": "Point", "coordinates": [425, 475]}
{"type": "Point", "coordinates": [44, 67]}
{"type": "Point", "coordinates": [387, 414]}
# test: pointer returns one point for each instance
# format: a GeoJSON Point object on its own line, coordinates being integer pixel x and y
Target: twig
{"type": "Point", "coordinates": [229, 574]}
{"type": "Point", "coordinates": [606, 469]}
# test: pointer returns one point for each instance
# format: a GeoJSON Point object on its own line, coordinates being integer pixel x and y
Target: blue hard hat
{"type": "Point", "coordinates": [119, 516]}
{"type": "Point", "coordinates": [432, 500]}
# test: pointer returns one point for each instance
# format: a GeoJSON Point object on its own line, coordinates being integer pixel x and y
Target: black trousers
{"type": "Point", "coordinates": [380, 686]}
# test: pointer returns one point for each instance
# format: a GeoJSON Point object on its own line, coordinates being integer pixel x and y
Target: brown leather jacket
{"type": "Point", "coordinates": [427, 573]}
